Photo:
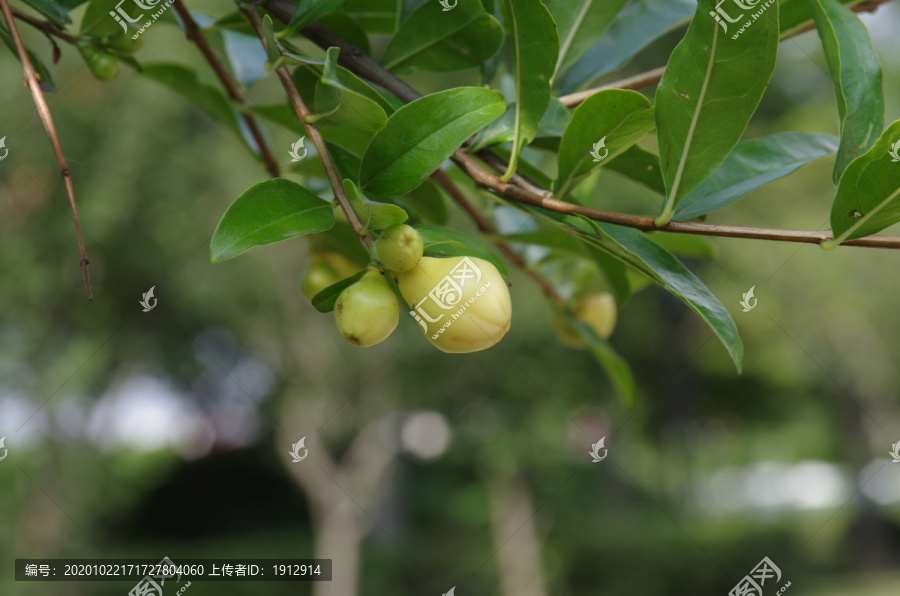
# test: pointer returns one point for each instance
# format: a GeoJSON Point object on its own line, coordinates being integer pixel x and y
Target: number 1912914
{"type": "Point", "coordinates": [297, 569]}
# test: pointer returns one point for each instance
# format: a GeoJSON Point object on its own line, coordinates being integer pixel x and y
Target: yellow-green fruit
{"type": "Point", "coordinates": [367, 311]}
{"type": "Point", "coordinates": [318, 276]}
{"type": "Point", "coordinates": [341, 265]}
{"type": "Point", "coordinates": [103, 66]}
{"type": "Point", "coordinates": [597, 311]}
{"type": "Point", "coordinates": [460, 303]}
{"type": "Point", "coordinates": [400, 247]}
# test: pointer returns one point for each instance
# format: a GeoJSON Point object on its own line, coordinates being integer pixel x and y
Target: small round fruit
{"type": "Point", "coordinates": [341, 265]}
{"type": "Point", "coordinates": [462, 304]}
{"type": "Point", "coordinates": [318, 276]}
{"type": "Point", "coordinates": [125, 44]}
{"type": "Point", "coordinates": [400, 247]}
{"type": "Point", "coordinates": [103, 66]}
{"type": "Point", "coordinates": [597, 311]}
{"type": "Point", "coordinates": [367, 311]}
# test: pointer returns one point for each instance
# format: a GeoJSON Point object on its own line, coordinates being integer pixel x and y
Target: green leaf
{"type": "Point", "coordinates": [633, 29]}
{"type": "Point", "coordinates": [688, 245]}
{"type": "Point", "coordinates": [273, 50]}
{"type": "Point", "coordinates": [641, 166]}
{"type": "Point", "coordinates": [608, 122]}
{"type": "Point", "coordinates": [346, 26]}
{"type": "Point", "coordinates": [614, 270]}
{"type": "Point", "coordinates": [325, 300]}
{"type": "Point", "coordinates": [795, 14]}
{"type": "Point", "coordinates": [374, 217]}
{"type": "Point", "coordinates": [358, 107]}
{"type": "Point", "coordinates": [98, 22]}
{"type": "Point", "coordinates": [421, 135]}
{"type": "Point", "coordinates": [753, 164]}
{"type": "Point", "coordinates": [642, 254]}
{"type": "Point", "coordinates": [428, 202]}
{"type": "Point", "coordinates": [437, 41]}
{"type": "Point", "coordinates": [535, 49]}
{"type": "Point", "coordinates": [707, 95]}
{"type": "Point", "coordinates": [375, 16]}
{"type": "Point", "coordinates": [503, 129]}
{"type": "Point", "coordinates": [868, 197]}
{"type": "Point", "coordinates": [446, 242]}
{"type": "Point", "coordinates": [580, 23]}
{"type": "Point", "coordinates": [266, 213]}
{"type": "Point", "coordinates": [46, 81]}
{"type": "Point", "coordinates": [856, 73]}
{"type": "Point", "coordinates": [52, 10]}
{"type": "Point", "coordinates": [186, 83]}
{"type": "Point", "coordinates": [309, 11]}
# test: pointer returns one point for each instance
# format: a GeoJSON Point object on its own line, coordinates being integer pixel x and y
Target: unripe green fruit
{"type": "Point", "coordinates": [400, 247]}
{"type": "Point", "coordinates": [462, 304]}
{"type": "Point", "coordinates": [598, 311]}
{"type": "Point", "coordinates": [125, 44]}
{"type": "Point", "coordinates": [325, 269]}
{"type": "Point", "coordinates": [367, 311]}
{"type": "Point", "coordinates": [103, 66]}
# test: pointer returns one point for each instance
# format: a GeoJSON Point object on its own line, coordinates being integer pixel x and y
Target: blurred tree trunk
{"type": "Point", "coordinates": [516, 538]}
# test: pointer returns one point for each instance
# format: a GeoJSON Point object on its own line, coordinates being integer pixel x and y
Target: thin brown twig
{"type": "Point", "coordinates": [365, 67]}
{"type": "Point", "coordinates": [44, 26]}
{"type": "Point", "coordinates": [303, 112]}
{"type": "Point", "coordinates": [31, 79]}
{"type": "Point", "coordinates": [193, 33]}
{"type": "Point", "coordinates": [487, 227]}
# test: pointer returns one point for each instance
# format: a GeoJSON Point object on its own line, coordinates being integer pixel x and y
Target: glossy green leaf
{"type": "Point", "coordinates": [427, 201]}
{"type": "Point", "coordinates": [325, 300]}
{"type": "Point", "coordinates": [868, 197]}
{"type": "Point", "coordinates": [642, 254]}
{"type": "Point", "coordinates": [633, 29]}
{"type": "Point", "coordinates": [422, 134]}
{"type": "Point", "coordinates": [856, 73]}
{"type": "Point", "coordinates": [641, 166]}
{"type": "Point", "coordinates": [266, 213]}
{"type": "Point", "coordinates": [46, 81]}
{"type": "Point", "coordinates": [535, 49]}
{"type": "Point", "coordinates": [55, 12]}
{"type": "Point", "coordinates": [437, 41]}
{"type": "Point", "coordinates": [310, 10]}
{"type": "Point", "coordinates": [753, 164]}
{"type": "Point", "coordinates": [273, 50]}
{"type": "Point", "coordinates": [375, 16]}
{"type": "Point", "coordinates": [795, 14]}
{"type": "Point", "coordinates": [446, 242]}
{"type": "Point", "coordinates": [711, 87]}
{"type": "Point", "coordinates": [186, 83]}
{"type": "Point", "coordinates": [580, 23]}
{"type": "Point", "coordinates": [502, 130]}
{"type": "Point", "coordinates": [374, 217]}
{"type": "Point", "coordinates": [347, 27]}
{"type": "Point", "coordinates": [358, 109]}
{"type": "Point", "coordinates": [604, 125]}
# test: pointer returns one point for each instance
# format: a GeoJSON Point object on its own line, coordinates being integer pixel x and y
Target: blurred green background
{"type": "Point", "coordinates": [167, 433]}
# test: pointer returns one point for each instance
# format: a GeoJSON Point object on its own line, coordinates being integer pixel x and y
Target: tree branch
{"type": "Point", "coordinates": [303, 112]}
{"type": "Point", "coordinates": [193, 33]}
{"type": "Point", "coordinates": [360, 64]}
{"type": "Point", "coordinates": [44, 26]}
{"type": "Point", "coordinates": [31, 79]}
{"type": "Point", "coordinates": [487, 227]}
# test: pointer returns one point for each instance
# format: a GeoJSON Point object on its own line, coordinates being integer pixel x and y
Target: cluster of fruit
{"type": "Point", "coordinates": [367, 311]}
{"type": "Point", "coordinates": [100, 54]}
